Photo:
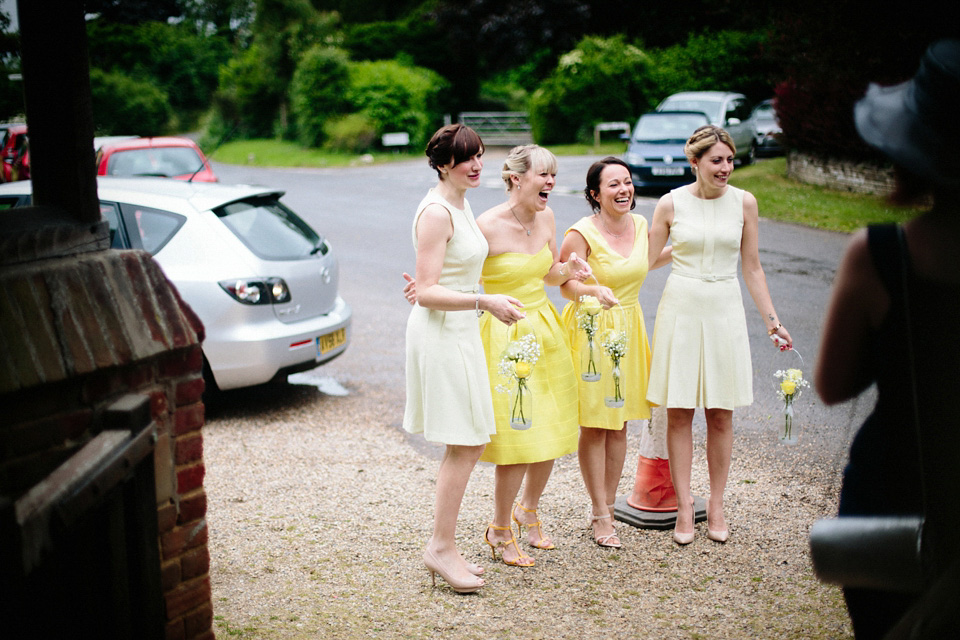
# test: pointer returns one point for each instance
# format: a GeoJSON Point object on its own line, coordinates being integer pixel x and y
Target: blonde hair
{"type": "Point", "coordinates": [704, 138]}
{"type": "Point", "coordinates": [524, 158]}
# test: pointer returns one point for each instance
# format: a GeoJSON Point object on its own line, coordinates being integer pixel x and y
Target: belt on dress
{"type": "Point", "coordinates": [706, 277]}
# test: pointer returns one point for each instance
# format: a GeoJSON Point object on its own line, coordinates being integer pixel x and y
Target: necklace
{"type": "Point", "coordinates": [518, 220]}
{"type": "Point", "coordinates": [607, 229]}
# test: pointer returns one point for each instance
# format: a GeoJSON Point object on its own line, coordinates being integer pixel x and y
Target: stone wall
{"type": "Point", "coordinates": [857, 177]}
{"type": "Point", "coordinates": [76, 334]}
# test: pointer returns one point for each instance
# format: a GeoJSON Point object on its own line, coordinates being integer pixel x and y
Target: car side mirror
{"type": "Point", "coordinates": [625, 137]}
{"type": "Point", "coordinates": [733, 121]}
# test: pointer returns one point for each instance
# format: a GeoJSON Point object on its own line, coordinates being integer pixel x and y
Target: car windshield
{"type": "Point", "coordinates": [764, 113]}
{"type": "Point", "coordinates": [709, 107]}
{"type": "Point", "coordinates": [269, 229]}
{"type": "Point", "coordinates": [155, 161]}
{"type": "Point", "coordinates": [667, 127]}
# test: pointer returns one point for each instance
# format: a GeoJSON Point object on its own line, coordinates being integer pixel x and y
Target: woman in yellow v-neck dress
{"type": "Point", "coordinates": [614, 242]}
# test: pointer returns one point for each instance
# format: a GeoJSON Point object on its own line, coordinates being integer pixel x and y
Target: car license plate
{"type": "Point", "coordinates": [331, 341]}
{"type": "Point", "coordinates": [667, 171]}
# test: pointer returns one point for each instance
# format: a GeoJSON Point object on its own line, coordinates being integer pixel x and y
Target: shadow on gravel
{"type": "Point", "coordinates": [251, 402]}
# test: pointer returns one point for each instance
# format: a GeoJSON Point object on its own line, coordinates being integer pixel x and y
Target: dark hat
{"type": "Point", "coordinates": [916, 123]}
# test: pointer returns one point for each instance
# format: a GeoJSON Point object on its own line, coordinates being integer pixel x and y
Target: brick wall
{"type": "Point", "coordinates": [78, 332]}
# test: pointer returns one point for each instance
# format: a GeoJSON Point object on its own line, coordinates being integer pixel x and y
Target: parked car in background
{"type": "Point", "coordinates": [763, 118]}
{"type": "Point", "coordinates": [724, 109]}
{"type": "Point", "coordinates": [167, 157]}
{"type": "Point", "coordinates": [14, 152]}
{"type": "Point", "coordinates": [655, 148]}
{"type": "Point", "coordinates": [264, 283]}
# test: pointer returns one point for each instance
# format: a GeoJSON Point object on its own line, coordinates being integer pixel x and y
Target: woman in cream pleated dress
{"type": "Point", "coordinates": [701, 354]}
{"type": "Point", "coordinates": [523, 257]}
{"type": "Point", "coordinates": [448, 392]}
{"type": "Point", "coordinates": [614, 243]}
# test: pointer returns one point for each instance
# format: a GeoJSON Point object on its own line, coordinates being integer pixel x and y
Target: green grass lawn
{"type": "Point", "coordinates": [780, 198]}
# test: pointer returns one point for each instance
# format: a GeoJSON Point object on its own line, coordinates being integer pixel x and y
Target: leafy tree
{"type": "Point", "coordinates": [600, 80]}
{"type": "Point", "coordinates": [230, 19]}
{"type": "Point", "coordinates": [247, 101]}
{"type": "Point", "coordinates": [11, 93]}
{"type": "Point", "coordinates": [134, 11]}
{"type": "Point", "coordinates": [125, 105]}
{"type": "Point", "coordinates": [317, 91]}
{"type": "Point", "coordinates": [173, 57]}
{"type": "Point", "coordinates": [254, 89]}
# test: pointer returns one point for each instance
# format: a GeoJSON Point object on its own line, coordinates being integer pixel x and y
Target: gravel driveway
{"type": "Point", "coordinates": [319, 507]}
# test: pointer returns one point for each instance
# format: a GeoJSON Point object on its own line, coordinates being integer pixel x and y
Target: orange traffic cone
{"type": "Point", "coordinates": [652, 488]}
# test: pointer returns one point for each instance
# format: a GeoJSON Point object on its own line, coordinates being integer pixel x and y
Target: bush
{"type": "Point", "coordinates": [723, 61]}
{"type": "Point", "coordinates": [397, 97]}
{"type": "Point", "coordinates": [125, 105]}
{"type": "Point", "coordinates": [354, 133]}
{"type": "Point", "coordinates": [600, 80]}
{"type": "Point", "coordinates": [318, 91]}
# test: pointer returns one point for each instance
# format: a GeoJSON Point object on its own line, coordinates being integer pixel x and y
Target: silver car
{"type": "Point", "coordinates": [724, 109]}
{"type": "Point", "coordinates": [262, 281]}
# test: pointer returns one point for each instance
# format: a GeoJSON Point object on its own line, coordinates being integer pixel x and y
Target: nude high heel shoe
{"type": "Point", "coordinates": [685, 538]}
{"type": "Point", "coordinates": [434, 566]}
{"type": "Point", "coordinates": [610, 540]}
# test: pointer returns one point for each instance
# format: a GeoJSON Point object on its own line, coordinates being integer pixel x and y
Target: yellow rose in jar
{"type": "Point", "coordinates": [788, 386]}
{"type": "Point", "coordinates": [590, 305]}
{"type": "Point", "coordinates": [522, 369]}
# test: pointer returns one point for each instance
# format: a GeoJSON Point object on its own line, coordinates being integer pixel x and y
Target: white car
{"type": "Point", "coordinates": [724, 109]}
{"type": "Point", "coordinates": [262, 281]}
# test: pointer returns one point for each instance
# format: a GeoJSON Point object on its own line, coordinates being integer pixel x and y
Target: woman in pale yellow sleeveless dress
{"type": "Point", "coordinates": [523, 257]}
{"type": "Point", "coordinates": [614, 242]}
{"type": "Point", "coordinates": [701, 354]}
{"type": "Point", "coordinates": [448, 393]}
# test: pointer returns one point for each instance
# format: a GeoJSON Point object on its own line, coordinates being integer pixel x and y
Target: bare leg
{"type": "Point", "coordinates": [616, 454]}
{"type": "Point", "coordinates": [508, 479]}
{"type": "Point", "coordinates": [534, 483]}
{"type": "Point", "coordinates": [719, 448]}
{"type": "Point", "coordinates": [592, 452]}
{"type": "Point", "coordinates": [455, 468]}
{"type": "Point", "coordinates": [680, 450]}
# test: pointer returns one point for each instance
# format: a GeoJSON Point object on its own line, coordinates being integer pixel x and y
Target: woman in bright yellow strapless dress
{"type": "Point", "coordinates": [523, 257]}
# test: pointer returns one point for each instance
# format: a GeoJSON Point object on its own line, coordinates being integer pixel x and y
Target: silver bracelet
{"type": "Point", "coordinates": [563, 265]}
{"type": "Point", "coordinates": [479, 313]}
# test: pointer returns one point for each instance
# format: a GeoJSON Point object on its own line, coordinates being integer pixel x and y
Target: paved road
{"type": "Point", "coordinates": [366, 212]}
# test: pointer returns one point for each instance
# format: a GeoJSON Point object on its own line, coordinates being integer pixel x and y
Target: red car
{"type": "Point", "coordinates": [13, 152]}
{"type": "Point", "coordinates": [178, 158]}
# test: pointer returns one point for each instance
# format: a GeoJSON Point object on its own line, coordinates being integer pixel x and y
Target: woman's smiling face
{"type": "Point", "coordinates": [715, 165]}
{"type": "Point", "coordinates": [465, 175]}
{"type": "Point", "coordinates": [616, 189]}
{"type": "Point", "coordinates": [534, 187]}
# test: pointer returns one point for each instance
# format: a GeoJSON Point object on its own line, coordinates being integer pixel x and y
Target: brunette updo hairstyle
{"type": "Point", "coordinates": [524, 158]}
{"type": "Point", "coordinates": [593, 181]}
{"type": "Point", "coordinates": [704, 138]}
{"type": "Point", "coordinates": [455, 142]}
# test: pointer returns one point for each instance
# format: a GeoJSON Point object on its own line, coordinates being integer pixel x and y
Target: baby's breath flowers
{"type": "Point", "coordinates": [516, 364]}
{"type": "Point", "coordinates": [587, 311]}
{"type": "Point", "coordinates": [615, 344]}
